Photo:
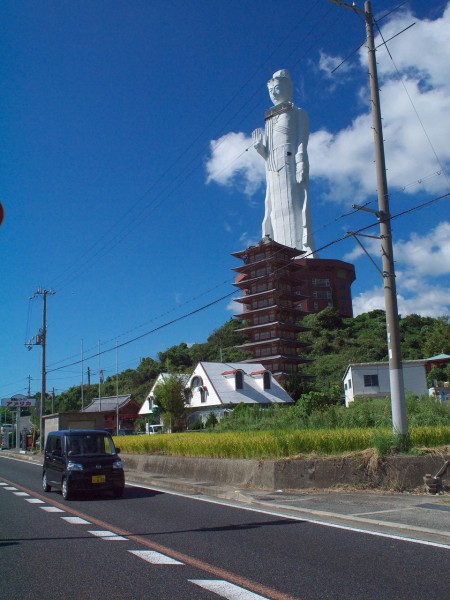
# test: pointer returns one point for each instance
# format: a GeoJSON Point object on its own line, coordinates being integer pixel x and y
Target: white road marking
{"type": "Point", "coordinates": [156, 558]}
{"type": "Point", "coordinates": [34, 501]}
{"type": "Point", "coordinates": [10, 488]}
{"type": "Point", "coordinates": [76, 520]}
{"type": "Point", "coordinates": [302, 518]}
{"type": "Point", "coordinates": [108, 535]}
{"type": "Point", "coordinates": [20, 494]}
{"type": "Point", "coordinates": [51, 509]}
{"type": "Point", "coordinates": [226, 590]}
{"type": "Point", "coordinates": [3, 483]}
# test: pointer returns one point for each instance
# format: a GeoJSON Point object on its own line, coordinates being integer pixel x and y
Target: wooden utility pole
{"type": "Point", "coordinates": [398, 404]}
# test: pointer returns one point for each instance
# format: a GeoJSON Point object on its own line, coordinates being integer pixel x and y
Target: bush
{"type": "Point", "coordinates": [211, 421]}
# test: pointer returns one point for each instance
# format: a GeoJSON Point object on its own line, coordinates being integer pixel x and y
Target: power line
{"type": "Point", "coordinates": [204, 307]}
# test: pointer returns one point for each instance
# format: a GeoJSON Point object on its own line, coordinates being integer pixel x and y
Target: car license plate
{"type": "Point", "coordinates": [98, 478]}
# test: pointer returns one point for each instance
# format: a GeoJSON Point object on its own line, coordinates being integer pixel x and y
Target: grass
{"type": "Point", "coordinates": [272, 444]}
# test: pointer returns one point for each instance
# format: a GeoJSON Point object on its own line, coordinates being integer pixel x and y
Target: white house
{"type": "Point", "coordinates": [372, 379]}
{"type": "Point", "coordinates": [219, 387]}
{"type": "Point", "coordinates": [147, 407]}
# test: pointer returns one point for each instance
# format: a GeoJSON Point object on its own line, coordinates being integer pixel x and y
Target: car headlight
{"type": "Point", "coordinates": [73, 466]}
{"type": "Point", "coordinates": [117, 464]}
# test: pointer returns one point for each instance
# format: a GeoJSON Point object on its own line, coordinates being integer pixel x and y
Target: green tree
{"type": "Point", "coordinates": [437, 338]}
{"type": "Point", "coordinates": [171, 397]}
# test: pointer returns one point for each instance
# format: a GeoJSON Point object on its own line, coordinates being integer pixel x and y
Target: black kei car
{"type": "Point", "coordinates": [82, 460]}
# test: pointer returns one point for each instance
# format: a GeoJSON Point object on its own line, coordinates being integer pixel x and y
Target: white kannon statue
{"type": "Point", "coordinates": [283, 146]}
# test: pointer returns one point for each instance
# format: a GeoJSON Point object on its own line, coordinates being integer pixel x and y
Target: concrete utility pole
{"type": "Point", "coordinates": [41, 340]}
{"type": "Point", "coordinates": [398, 404]}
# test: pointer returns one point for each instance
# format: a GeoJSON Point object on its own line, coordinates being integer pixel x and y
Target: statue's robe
{"type": "Point", "coordinates": [287, 218]}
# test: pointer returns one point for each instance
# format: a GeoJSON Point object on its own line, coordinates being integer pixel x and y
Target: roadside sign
{"type": "Point", "coordinates": [15, 402]}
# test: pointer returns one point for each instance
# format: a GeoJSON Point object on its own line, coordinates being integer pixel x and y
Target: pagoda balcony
{"type": "Point", "coordinates": [277, 325]}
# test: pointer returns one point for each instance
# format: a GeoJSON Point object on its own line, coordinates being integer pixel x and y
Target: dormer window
{"type": "Point", "coordinates": [239, 380]}
{"type": "Point", "coordinates": [196, 382]}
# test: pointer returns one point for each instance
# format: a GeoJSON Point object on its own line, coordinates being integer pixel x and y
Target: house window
{"type": "Point", "coordinates": [239, 380]}
{"type": "Point", "coordinates": [370, 380]}
{"type": "Point", "coordinates": [202, 394]}
{"type": "Point", "coordinates": [349, 384]}
{"type": "Point", "coordinates": [196, 382]}
{"type": "Point", "coordinates": [266, 378]}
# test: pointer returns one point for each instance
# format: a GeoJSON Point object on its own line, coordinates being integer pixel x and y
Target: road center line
{"type": "Point", "coordinates": [218, 572]}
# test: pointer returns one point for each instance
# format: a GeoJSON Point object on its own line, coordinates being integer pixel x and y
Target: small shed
{"type": "Point", "coordinates": [123, 408]}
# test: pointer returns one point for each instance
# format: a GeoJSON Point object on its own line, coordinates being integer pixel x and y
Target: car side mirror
{"type": "Point", "coordinates": [117, 450]}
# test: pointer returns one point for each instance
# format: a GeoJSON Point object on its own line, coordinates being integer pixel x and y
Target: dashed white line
{"type": "Point", "coordinates": [51, 509]}
{"type": "Point", "coordinates": [76, 520]}
{"type": "Point", "coordinates": [226, 590]}
{"type": "Point", "coordinates": [20, 494]}
{"type": "Point", "coordinates": [3, 483]}
{"type": "Point", "coordinates": [108, 535]}
{"type": "Point", "coordinates": [155, 558]}
{"type": "Point", "coordinates": [34, 501]}
{"type": "Point", "coordinates": [10, 488]}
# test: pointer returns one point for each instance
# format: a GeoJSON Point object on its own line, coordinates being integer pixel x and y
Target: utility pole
{"type": "Point", "coordinates": [398, 404]}
{"type": "Point", "coordinates": [41, 340]}
{"type": "Point", "coordinates": [82, 377]}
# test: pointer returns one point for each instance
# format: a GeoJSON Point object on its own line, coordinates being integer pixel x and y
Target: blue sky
{"type": "Point", "coordinates": [127, 174]}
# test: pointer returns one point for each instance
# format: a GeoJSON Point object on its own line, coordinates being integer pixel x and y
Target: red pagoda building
{"type": "Point", "coordinates": [270, 281]}
{"type": "Point", "coordinates": [278, 288]}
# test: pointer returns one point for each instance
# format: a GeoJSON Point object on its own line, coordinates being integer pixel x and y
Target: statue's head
{"type": "Point", "coordinates": [281, 88]}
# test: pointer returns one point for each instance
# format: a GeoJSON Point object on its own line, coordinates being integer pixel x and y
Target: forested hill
{"type": "Point", "coordinates": [335, 342]}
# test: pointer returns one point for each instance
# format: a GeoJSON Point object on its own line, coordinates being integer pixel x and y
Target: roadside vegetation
{"type": "Point", "coordinates": [308, 428]}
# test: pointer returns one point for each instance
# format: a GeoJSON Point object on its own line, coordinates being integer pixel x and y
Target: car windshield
{"type": "Point", "coordinates": [90, 443]}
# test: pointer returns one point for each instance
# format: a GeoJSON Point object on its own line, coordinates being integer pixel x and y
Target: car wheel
{"type": "Point", "coordinates": [118, 492]}
{"type": "Point", "coordinates": [45, 485]}
{"type": "Point", "coordinates": [65, 489]}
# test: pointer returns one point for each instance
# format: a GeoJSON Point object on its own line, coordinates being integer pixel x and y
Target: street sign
{"type": "Point", "coordinates": [18, 401]}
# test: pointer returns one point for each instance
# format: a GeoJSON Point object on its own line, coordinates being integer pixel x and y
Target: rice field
{"type": "Point", "coordinates": [275, 443]}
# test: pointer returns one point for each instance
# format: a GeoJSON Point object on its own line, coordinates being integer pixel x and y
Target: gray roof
{"type": "Point", "coordinates": [107, 403]}
{"type": "Point", "coordinates": [219, 375]}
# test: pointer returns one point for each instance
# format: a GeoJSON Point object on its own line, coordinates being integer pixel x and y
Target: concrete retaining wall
{"type": "Point", "coordinates": [397, 472]}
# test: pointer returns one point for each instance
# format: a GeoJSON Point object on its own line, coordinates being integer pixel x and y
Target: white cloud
{"type": "Point", "coordinates": [427, 255]}
{"type": "Point", "coordinates": [328, 63]}
{"type": "Point", "coordinates": [233, 161]}
{"type": "Point", "coordinates": [419, 261]}
{"type": "Point", "coordinates": [235, 307]}
{"type": "Point", "coordinates": [433, 301]}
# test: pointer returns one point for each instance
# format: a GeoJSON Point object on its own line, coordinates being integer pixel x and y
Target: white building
{"type": "Point", "coordinates": [371, 380]}
{"type": "Point", "coordinates": [147, 407]}
{"type": "Point", "coordinates": [219, 387]}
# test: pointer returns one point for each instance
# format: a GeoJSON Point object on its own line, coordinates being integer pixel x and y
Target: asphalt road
{"type": "Point", "coordinates": [172, 547]}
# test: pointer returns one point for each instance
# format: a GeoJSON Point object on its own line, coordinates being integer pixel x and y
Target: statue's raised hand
{"type": "Point", "coordinates": [258, 142]}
